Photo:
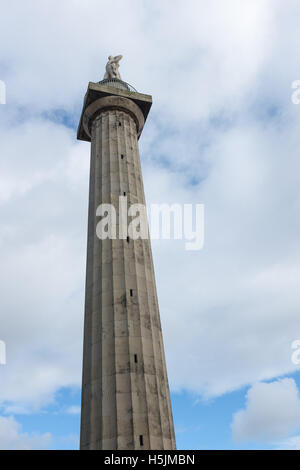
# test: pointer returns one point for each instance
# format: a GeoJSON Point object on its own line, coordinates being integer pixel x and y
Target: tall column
{"type": "Point", "coordinates": [125, 392]}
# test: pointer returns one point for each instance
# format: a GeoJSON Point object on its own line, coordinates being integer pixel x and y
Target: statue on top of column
{"type": "Point", "coordinates": [112, 67]}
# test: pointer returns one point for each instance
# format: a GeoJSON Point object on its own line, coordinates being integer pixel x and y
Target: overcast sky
{"type": "Point", "coordinates": [223, 132]}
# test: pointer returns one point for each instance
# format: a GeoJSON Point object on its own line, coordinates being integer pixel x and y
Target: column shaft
{"type": "Point", "coordinates": [125, 392]}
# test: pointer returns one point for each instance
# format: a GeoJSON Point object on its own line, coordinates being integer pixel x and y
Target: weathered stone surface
{"type": "Point", "coordinates": [125, 392]}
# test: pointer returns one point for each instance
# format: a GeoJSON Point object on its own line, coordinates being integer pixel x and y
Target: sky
{"type": "Point", "coordinates": [223, 131]}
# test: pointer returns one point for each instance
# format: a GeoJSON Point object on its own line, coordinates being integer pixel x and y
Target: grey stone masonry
{"type": "Point", "coordinates": [125, 392]}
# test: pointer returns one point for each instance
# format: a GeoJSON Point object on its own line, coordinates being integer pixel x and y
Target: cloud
{"type": "Point", "coordinates": [171, 47]}
{"type": "Point", "coordinates": [73, 410]}
{"type": "Point", "coordinates": [43, 256]}
{"type": "Point", "coordinates": [12, 437]}
{"type": "Point", "coordinates": [230, 311]}
{"type": "Point", "coordinates": [272, 412]}
{"type": "Point", "coordinates": [292, 443]}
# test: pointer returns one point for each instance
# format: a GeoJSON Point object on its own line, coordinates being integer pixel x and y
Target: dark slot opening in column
{"type": "Point", "coordinates": [124, 193]}
{"type": "Point", "coordinates": [131, 292]}
{"type": "Point", "coordinates": [135, 358]}
{"type": "Point", "coordinates": [122, 156]}
{"type": "Point", "coordinates": [141, 440]}
{"type": "Point", "coordinates": [127, 239]}
{"type": "Point", "coordinates": [120, 124]}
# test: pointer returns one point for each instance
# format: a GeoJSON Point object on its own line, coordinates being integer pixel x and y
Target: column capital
{"type": "Point", "coordinates": [112, 102]}
{"type": "Point", "coordinates": [102, 97]}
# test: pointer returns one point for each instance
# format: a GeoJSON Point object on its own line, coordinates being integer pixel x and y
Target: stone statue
{"type": "Point", "coordinates": [112, 67]}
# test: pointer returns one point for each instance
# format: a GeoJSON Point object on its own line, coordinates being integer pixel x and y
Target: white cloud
{"type": "Point", "coordinates": [12, 437]}
{"type": "Point", "coordinates": [272, 412]}
{"type": "Point", "coordinates": [42, 263]}
{"type": "Point", "coordinates": [292, 443]}
{"type": "Point", "coordinates": [208, 52]}
{"type": "Point", "coordinates": [231, 311]}
{"type": "Point", "coordinates": [73, 410]}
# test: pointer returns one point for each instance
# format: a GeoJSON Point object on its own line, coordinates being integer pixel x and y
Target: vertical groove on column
{"type": "Point", "coordinates": [125, 248]}
{"type": "Point", "coordinates": [92, 345]}
{"type": "Point", "coordinates": [106, 437]}
{"type": "Point", "coordinates": [86, 373]}
{"type": "Point", "coordinates": [96, 317]}
{"type": "Point", "coordinates": [112, 297]}
{"type": "Point", "coordinates": [112, 137]}
{"type": "Point", "coordinates": [99, 159]}
{"type": "Point", "coordinates": [100, 272]}
{"type": "Point", "coordinates": [111, 244]}
{"type": "Point", "coordinates": [140, 293]}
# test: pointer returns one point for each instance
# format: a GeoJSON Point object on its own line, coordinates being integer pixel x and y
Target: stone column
{"type": "Point", "coordinates": [125, 392]}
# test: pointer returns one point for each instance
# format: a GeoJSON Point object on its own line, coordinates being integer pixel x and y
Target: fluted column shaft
{"type": "Point", "coordinates": [125, 392]}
